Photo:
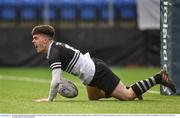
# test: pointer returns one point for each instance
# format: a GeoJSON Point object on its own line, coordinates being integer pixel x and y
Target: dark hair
{"type": "Point", "coordinates": [44, 29]}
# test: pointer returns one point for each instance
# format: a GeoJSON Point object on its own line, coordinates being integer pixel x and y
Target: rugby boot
{"type": "Point", "coordinates": [165, 80]}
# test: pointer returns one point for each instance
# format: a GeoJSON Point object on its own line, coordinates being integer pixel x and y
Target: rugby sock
{"type": "Point", "coordinates": [144, 85]}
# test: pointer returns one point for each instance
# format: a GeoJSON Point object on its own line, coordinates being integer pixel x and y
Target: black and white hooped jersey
{"type": "Point", "coordinates": [71, 60]}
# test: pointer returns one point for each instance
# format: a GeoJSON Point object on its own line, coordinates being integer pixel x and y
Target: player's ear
{"type": "Point", "coordinates": [46, 40]}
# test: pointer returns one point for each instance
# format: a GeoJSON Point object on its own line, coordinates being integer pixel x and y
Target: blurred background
{"type": "Point", "coordinates": [120, 32]}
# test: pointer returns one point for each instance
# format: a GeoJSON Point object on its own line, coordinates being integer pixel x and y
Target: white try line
{"type": "Point", "coordinates": [155, 92]}
{"type": "Point", "coordinates": [40, 80]}
{"type": "Point", "coordinates": [26, 79]}
{"type": "Point", "coordinates": [29, 79]}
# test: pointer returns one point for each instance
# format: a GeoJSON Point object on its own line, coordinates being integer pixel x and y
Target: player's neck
{"type": "Point", "coordinates": [48, 47]}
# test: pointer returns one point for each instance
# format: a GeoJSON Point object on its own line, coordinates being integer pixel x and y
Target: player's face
{"type": "Point", "coordinates": [40, 43]}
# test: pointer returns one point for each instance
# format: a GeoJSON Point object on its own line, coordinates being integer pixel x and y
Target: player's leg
{"type": "Point", "coordinates": [107, 81]}
{"type": "Point", "coordinates": [104, 79]}
{"type": "Point", "coordinates": [121, 92]}
{"type": "Point", "coordinates": [144, 85]}
{"type": "Point", "coordinates": [95, 93]}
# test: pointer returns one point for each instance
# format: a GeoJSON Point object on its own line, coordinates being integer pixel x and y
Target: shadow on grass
{"type": "Point", "coordinates": [74, 101]}
{"type": "Point", "coordinates": [105, 100]}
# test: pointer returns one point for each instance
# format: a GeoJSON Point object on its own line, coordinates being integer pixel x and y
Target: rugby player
{"type": "Point", "coordinates": [101, 82]}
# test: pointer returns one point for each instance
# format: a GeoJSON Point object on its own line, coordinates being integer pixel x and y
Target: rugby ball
{"type": "Point", "coordinates": [67, 89]}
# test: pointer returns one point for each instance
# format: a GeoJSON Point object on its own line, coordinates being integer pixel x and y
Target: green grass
{"type": "Point", "coordinates": [19, 86]}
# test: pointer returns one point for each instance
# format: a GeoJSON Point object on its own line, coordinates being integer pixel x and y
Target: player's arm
{"type": "Point", "coordinates": [56, 77]}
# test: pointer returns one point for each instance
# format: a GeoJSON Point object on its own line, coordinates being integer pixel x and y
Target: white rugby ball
{"type": "Point", "coordinates": [67, 89]}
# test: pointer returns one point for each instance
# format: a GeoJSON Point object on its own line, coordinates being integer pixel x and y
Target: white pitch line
{"type": "Point", "coordinates": [40, 80]}
{"type": "Point", "coordinates": [154, 92]}
{"type": "Point", "coordinates": [26, 79]}
{"type": "Point", "coordinates": [29, 79]}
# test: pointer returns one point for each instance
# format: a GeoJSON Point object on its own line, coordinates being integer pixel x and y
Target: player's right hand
{"type": "Point", "coordinates": [41, 100]}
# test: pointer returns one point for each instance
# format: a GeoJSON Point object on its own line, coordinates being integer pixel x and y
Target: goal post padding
{"type": "Point", "coordinates": [170, 42]}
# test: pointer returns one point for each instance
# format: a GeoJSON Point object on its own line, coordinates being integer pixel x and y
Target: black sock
{"type": "Point", "coordinates": [144, 85]}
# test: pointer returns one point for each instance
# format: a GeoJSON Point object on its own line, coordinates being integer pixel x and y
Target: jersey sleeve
{"type": "Point", "coordinates": [55, 65]}
{"type": "Point", "coordinates": [56, 78]}
{"type": "Point", "coordinates": [55, 61]}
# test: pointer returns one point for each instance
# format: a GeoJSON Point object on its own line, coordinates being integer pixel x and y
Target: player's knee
{"type": "Point", "coordinates": [93, 97]}
{"type": "Point", "coordinates": [96, 96]}
{"type": "Point", "coordinates": [129, 96]}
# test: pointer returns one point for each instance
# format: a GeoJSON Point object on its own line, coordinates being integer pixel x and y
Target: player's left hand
{"type": "Point", "coordinates": [41, 100]}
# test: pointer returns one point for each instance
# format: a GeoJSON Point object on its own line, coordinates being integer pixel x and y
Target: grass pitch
{"type": "Point", "coordinates": [19, 86]}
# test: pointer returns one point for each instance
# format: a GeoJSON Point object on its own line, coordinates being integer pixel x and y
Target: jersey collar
{"type": "Point", "coordinates": [49, 49]}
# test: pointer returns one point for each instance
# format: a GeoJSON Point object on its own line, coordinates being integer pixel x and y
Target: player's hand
{"type": "Point", "coordinates": [41, 100]}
